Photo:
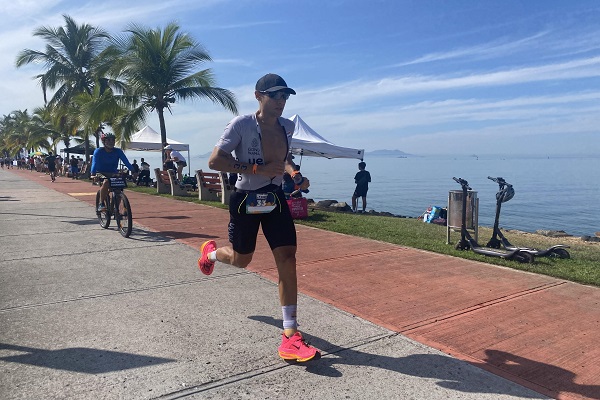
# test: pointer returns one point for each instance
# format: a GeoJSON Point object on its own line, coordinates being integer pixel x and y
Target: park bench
{"type": "Point", "coordinates": [166, 182]}
{"type": "Point", "coordinates": [213, 186]}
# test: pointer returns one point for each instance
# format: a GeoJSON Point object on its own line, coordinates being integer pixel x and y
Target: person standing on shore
{"type": "Point", "coordinates": [261, 142]}
{"type": "Point", "coordinates": [362, 179]}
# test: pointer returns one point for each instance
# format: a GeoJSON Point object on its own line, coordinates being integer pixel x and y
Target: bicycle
{"type": "Point", "coordinates": [117, 206]}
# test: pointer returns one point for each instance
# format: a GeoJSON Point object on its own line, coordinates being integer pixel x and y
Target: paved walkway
{"type": "Point", "coordinates": [73, 293]}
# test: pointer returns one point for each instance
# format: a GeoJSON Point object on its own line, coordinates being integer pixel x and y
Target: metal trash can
{"type": "Point", "coordinates": [454, 222]}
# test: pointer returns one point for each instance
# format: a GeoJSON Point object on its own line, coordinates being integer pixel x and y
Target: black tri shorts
{"type": "Point", "coordinates": [277, 225]}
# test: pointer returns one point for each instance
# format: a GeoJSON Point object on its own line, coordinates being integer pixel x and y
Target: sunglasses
{"type": "Point", "coordinates": [277, 95]}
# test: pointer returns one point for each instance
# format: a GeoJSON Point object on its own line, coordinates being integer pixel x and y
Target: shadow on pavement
{"type": "Point", "coordinates": [80, 359]}
{"type": "Point", "coordinates": [174, 217]}
{"type": "Point", "coordinates": [432, 366]}
{"type": "Point", "coordinates": [82, 222]}
{"type": "Point", "coordinates": [185, 235]}
{"type": "Point", "coordinates": [523, 367]}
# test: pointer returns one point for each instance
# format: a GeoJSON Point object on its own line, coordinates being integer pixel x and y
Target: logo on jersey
{"type": "Point", "coordinates": [254, 149]}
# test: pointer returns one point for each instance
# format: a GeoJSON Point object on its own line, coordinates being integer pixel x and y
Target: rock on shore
{"type": "Point", "coordinates": [337, 206]}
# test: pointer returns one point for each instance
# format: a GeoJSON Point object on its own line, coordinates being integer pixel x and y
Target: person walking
{"type": "Point", "coordinates": [362, 179]}
{"type": "Point", "coordinates": [261, 143]}
{"type": "Point", "coordinates": [51, 161]}
{"type": "Point", "coordinates": [74, 168]}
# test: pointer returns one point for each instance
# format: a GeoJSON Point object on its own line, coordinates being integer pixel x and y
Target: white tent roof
{"type": "Point", "coordinates": [307, 142]}
{"type": "Point", "coordinates": [148, 139]}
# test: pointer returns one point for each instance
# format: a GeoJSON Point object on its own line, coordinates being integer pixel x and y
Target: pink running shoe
{"type": "Point", "coordinates": [295, 348]}
{"type": "Point", "coordinates": [205, 265]}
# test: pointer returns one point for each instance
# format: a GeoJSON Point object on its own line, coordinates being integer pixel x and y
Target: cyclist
{"type": "Point", "coordinates": [105, 163]}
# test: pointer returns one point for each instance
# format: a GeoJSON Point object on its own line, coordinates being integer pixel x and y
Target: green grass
{"type": "Point", "coordinates": [582, 267]}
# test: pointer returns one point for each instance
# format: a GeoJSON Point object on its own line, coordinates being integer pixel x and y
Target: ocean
{"type": "Point", "coordinates": [551, 193]}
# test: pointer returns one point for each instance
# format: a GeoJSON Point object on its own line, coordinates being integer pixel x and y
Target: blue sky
{"type": "Point", "coordinates": [424, 77]}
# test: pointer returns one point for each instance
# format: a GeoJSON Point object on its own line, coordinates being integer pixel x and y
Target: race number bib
{"type": "Point", "coordinates": [117, 183]}
{"type": "Point", "coordinates": [260, 203]}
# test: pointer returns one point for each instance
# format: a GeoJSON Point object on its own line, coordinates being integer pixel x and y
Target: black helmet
{"type": "Point", "coordinates": [505, 194]}
{"type": "Point", "coordinates": [107, 135]}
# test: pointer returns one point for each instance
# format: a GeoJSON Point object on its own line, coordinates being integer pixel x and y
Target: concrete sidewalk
{"type": "Point", "coordinates": [85, 313]}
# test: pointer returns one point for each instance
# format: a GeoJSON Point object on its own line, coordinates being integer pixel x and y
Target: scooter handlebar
{"type": "Point", "coordinates": [491, 178]}
{"type": "Point", "coordinates": [462, 182]}
{"type": "Point", "coordinates": [499, 180]}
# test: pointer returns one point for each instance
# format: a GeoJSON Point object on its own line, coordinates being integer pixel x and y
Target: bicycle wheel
{"type": "Point", "coordinates": [123, 215]}
{"type": "Point", "coordinates": [103, 216]}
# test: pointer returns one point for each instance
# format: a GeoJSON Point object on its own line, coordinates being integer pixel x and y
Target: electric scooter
{"type": "Point", "coordinates": [467, 242]}
{"type": "Point", "coordinates": [505, 193]}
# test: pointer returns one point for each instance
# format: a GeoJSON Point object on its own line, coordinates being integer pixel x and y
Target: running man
{"type": "Point", "coordinates": [105, 163]}
{"type": "Point", "coordinates": [261, 142]}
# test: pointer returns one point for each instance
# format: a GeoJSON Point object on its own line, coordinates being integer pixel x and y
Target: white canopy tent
{"type": "Point", "coordinates": [147, 139]}
{"type": "Point", "coordinates": [307, 142]}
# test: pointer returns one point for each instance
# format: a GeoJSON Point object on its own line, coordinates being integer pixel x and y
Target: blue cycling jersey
{"type": "Point", "coordinates": [108, 161]}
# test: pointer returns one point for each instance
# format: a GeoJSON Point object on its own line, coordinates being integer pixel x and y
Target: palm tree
{"type": "Point", "coordinates": [102, 108]}
{"type": "Point", "coordinates": [72, 67]}
{"type": "Point", "coordinates": [41, 129]}
{"type": "Point", "coordinates": [70, 58]}
{"type": "Point", "coordinates": [158, 67]}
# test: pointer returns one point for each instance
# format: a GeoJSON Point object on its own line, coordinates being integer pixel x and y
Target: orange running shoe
{"type": "Point", "coordinates": [296, 348]}
{"type": "Point", "coordinates": [205, 265]}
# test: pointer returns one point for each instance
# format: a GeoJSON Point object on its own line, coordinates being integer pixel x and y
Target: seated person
{"type": "Point", "coordinates": [105, 163]}
{"type": "Point", "coordinates": [135, 171]}
{"type": "Point", "coordinates": [301, 184]}
{"type": "Point", "coordinates": [169, 164]}
{"type": "Point", "coordinates": [144, 175]}
{"type": "Point", "coordinates": [288, 185]}
{"type": "Point", "coordinates": [175, 157]}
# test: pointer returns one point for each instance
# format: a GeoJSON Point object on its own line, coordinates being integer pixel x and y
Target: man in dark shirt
{"type": "Point", "coordinates": [362, 179]}
{"type": "Point", "coordinates": [74, 168]}
{"type": "Point", "coordinates": [51, 161]}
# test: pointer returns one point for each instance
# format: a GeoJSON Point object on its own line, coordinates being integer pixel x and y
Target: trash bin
{"type": "Point", "coordinates": [455, 198]}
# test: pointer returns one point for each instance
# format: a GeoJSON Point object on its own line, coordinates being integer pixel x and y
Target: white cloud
{"type": "Point", "coordinates": [494, 49]}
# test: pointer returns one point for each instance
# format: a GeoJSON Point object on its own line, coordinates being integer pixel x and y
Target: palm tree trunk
{"type": "Point", "coordinates": [163, 130]}
{"type": "Point", "coordinates": [86, 146]}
